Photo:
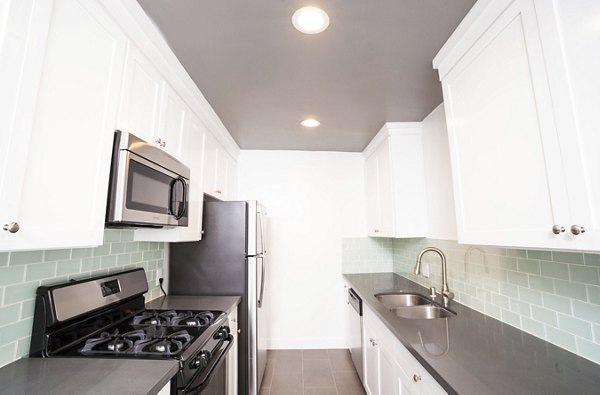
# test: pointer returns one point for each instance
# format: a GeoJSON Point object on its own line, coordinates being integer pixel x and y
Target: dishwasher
{"type": "Point", "coordinates": [355, 343]}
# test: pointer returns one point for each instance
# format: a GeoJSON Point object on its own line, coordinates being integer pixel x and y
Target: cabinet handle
{"type": "Point", "coordinates": [12, 227]}
{"type": "Point", "coordinates": [576, 229]}
{"type": "Point", "coordinates": [218, 191]}
{"type": "Point", "coordinates": [416, 378]}
{"type": "Point", "coordinates": [557, 229]}
{"type": "Point", "coordinates": [376, 230]}
{"type": "Point", "coordinates": [239, 331]}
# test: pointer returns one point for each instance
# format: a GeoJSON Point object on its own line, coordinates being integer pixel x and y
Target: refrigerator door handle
{"type": "Point", "coordinates": [262, 280]}
{"type": "Point", "coordinates": [262, 232]}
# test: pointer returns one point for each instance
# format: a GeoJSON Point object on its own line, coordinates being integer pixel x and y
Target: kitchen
{"type": "Point", "coordinates": [487, 153]}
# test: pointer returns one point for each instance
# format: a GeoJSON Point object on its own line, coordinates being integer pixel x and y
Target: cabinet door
{"type": "Point", "coordinates": [507, 165]}
{"type": "Point", "coordinates": [221, 180]}
{"type": "Point", "coordinates": [23, 33]}
{"type": "Point", "coordinates": [63, 200]}
{"type": "Point", "coordinates": [210, 165]}
{"type": "Point", "coordinates": [573, 61]}
{"type": "Point", "coordinates": [172, 125]}
{"type": "Point", "coordinates": [372, 197]}
{"type": "Point", "coordinates": [231, 180]}
{"type": "Point", "coordinates": [141, 97]}
{"type": "Point", "coordinates": [371, 359]}
{"type": "Point", "coordinates": [388, 374]}
{"type": "Point", "coordinates": [385, 190]}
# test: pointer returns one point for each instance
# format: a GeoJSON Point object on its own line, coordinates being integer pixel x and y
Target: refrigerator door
{"type": "Point", "coordinates": [261, 335]}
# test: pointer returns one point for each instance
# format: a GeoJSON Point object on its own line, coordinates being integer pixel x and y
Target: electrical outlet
{"type": "Point", "coordinates": [425, 269]}
{"type": "Point", "coordinates": [159, 274]}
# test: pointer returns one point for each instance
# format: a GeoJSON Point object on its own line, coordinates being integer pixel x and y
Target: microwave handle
{"type": "Point", "coordinates": [182, 209]}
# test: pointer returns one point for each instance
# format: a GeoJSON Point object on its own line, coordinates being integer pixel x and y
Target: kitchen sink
{"type": "Point", "coordinates": [413, 306]}
{"type": "Point", "coordinates": [395, 300]}
{"type": "Point", "coordinates": [423, 312]}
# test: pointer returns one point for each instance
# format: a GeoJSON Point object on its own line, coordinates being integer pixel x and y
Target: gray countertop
{"type": "Point", "coordinates": [472, 353]}
{"type": "Point", "coordinates": [85, 376]}
{"type": "Point", "coordinates": [74, 375]}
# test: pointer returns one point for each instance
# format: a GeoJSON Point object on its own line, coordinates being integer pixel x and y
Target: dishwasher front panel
{"type": "Point", "coordinates": [355, 340]}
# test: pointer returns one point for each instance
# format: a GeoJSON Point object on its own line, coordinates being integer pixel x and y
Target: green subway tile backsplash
{"type": "Point", "coordinates": [23, 271]}
{"type": "Point", "coordinates": [553, 295]}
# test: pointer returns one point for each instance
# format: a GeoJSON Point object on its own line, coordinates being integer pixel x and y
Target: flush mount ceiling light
{"type": "Point", "coordinates": [310, 20]}
{"type": "Point", "coordinates": [310, 123]}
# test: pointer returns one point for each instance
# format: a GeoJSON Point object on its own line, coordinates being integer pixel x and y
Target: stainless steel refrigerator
{"type": "Point", "coordinates": [230, 259]}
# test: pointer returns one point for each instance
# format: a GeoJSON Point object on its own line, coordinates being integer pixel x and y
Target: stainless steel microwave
{"type": "Point", "coordinates": [147, 187]}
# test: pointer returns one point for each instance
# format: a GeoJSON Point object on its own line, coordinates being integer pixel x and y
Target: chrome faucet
{"type": "Point", "coordinates": [446, 294]}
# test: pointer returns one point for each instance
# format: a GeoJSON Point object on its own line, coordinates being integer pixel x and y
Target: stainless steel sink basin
{"type": "Point", "coordinates": [426, 312]}
{"type": "Point", "coordinates": [395, 300]}
{"type": "Point", "coordinates": [413, 306]}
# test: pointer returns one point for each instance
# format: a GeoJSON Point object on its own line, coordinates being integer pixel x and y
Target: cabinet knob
{"type": "Point", "coordinates": [218, 191]}
{"type": "Point", "coordinates": [12, 227]}
{"type": "Point", "coordinates": [376, 230]}
{"type": "Point", "coordinates": [557, 229]}
{"type": "Point", "coordinates": [239, 331]}
{"type": "Point", "coordinates": [163, 144]}
{"type": "Point", "coordinates": [416, 378]}
{"type": "Point", "coordinates": [158, 141]}
{"type": "Point", "coordinates": [576, 229]}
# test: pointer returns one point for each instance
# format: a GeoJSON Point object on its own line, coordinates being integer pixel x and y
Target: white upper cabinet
{"type": "Point", "coordinates": [219, 171]}
{"type": "Point", "coordinates": [511, 147]}
{"type": "Point", "coordinates": [150, 108]}
{"type": "Point", "coordinates": [61, 180]}
{"type": "Point", "coordinates": [395, 182]}
{"type": "Point", "coordinates": [172, 131]}
{"type": "Point", "coordinates": [222, 171]}
{"type": "Point", "coordinates": [140, 97]}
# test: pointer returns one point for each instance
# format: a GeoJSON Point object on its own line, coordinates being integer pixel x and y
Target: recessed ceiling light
{"type": "Point", "coordinates": [310, 123]}
{"type": "Point", "coordinates": [310, 20]}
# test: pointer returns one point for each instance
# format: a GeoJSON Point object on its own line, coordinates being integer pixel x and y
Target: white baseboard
{"type": "Point", "coordinates": [305, 343]}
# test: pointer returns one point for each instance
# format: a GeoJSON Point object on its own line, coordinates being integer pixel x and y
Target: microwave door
{"type": "Point", "coordinates": [148, 190]}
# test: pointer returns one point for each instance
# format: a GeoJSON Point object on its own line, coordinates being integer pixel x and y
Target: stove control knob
{"type": "Point", "coordinates": [223, 333]}
{"type": "Point", "coordinates": [201, 360]}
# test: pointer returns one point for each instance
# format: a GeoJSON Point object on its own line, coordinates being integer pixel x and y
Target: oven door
{"type": "Point", "coordinates": [212, 380]}
{"type": "Point", "coordinates": [147, 194]}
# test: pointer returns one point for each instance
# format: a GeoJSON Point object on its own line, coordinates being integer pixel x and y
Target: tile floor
{"type": "Point", "coordinates": [310, 372]}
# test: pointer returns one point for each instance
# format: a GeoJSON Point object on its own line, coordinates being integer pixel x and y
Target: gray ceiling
{"type": "Point", "coordinates": [262, 77]}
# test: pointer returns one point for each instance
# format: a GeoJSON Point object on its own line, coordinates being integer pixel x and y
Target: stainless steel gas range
{"type": "Point", "coordinates": [104, 317]}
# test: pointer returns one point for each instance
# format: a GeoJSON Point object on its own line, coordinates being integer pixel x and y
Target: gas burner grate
{"type": "Point", "coordinates": [174, 318]}
{"type": "Point", "coordinates": [137, 342]}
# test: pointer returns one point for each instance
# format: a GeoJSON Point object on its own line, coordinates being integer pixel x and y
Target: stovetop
{"type": "Point", "coordinates": [148, 334]}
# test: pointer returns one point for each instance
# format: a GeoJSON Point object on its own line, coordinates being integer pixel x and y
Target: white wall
{"type": "Point", "coordinates": [438, 177]}
{"type": "Point", "coordinates": [313, 199]}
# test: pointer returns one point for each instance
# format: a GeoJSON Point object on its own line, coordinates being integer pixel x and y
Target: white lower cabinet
{"type": "Point", "coordinates": [389, 366]}
{"type": "Point", "coordinates": [232, 358]}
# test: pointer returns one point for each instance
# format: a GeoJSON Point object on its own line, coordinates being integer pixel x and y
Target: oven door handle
{"type": "Point", "coordinates": [206, 375]}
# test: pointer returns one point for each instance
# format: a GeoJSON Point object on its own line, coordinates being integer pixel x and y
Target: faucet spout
{"type": "Point", "coordinates": [446, 294]}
